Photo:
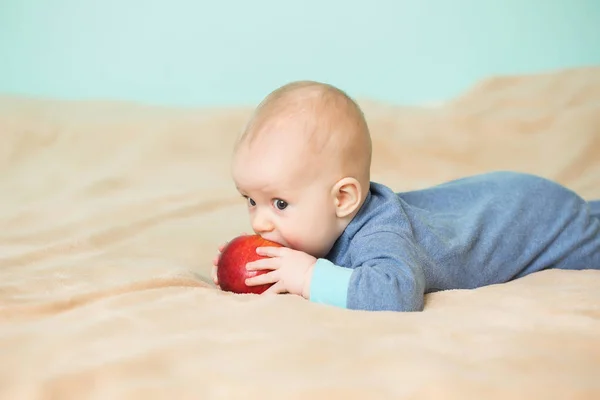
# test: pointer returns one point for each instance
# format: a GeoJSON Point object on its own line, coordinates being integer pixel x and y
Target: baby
{"type": "Point", "coordinates": [303, 166]}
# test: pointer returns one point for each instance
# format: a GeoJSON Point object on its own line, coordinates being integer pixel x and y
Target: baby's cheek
{"type": "Point", "coordinates": [294, 242]}
{"type": "Point", "coordinates": [301, 236]}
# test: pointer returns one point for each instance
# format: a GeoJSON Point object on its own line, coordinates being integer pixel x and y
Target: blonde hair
{"type": "Point", "coordinates": [333, 121]}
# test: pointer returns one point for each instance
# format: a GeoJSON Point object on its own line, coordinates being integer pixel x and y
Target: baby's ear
{"type": "Point", "coordinates": [347, 195]}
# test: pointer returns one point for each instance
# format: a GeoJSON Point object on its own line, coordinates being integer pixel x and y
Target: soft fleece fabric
{"type": "Point", "coordinates": [480, 230]}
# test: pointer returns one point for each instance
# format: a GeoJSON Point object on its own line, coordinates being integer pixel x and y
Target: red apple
{"type": "Point", "coordinates": [231, 269]}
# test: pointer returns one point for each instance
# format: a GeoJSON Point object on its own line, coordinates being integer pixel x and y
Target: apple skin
{"type": "Point", "coordinates": [232, 272]}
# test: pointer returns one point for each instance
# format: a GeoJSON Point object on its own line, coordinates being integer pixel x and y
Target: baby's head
{"type": "Point", "coordinates": [303, 163]}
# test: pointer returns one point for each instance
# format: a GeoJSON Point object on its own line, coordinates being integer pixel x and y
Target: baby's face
{"type": "Point", "coordinates": [289, 197]}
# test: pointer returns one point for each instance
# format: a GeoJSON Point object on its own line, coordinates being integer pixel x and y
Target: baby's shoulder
{"type": "Point", "coordinates": [382, 211]}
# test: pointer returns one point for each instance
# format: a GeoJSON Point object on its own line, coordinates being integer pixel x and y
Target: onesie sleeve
{"type": "Point", "coordinates": [386, 274]}
{"type": "Point", "coordinates": [329, 284]}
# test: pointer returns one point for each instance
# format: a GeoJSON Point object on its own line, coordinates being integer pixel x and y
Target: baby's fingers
{"type": "Point", "coordinates": [215, 277]}
{"type": "Point", "coordinates": [264, 263]}
{"type": "Point", "coordinates": [270, 277]}
{"type": "Point", "coordinates": [276, 288]}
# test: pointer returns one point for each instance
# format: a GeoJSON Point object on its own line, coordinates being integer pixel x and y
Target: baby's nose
{"type": "Point", "coordinates": [261, 224]}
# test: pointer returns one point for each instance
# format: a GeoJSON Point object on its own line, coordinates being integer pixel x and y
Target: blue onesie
{"type": "Point", "coordinates": [471, 232]}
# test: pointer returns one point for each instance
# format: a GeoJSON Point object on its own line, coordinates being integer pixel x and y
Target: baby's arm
{"type": "Point", "coordinates": [386, 275]}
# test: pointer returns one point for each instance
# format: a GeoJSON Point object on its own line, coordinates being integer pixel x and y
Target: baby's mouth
{"type": "Point", "coordinates": [279, 241]}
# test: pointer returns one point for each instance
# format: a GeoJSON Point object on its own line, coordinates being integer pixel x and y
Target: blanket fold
{"type": "Point", "coordinates": [111, 214]}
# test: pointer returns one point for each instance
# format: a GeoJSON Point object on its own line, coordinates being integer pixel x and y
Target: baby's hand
{"type": "Point", "coordinates": [216, 262]}
{"type": "Point", "coordinates": [216, 265]}
{"type": "Point", "coordinates": [291, 270]}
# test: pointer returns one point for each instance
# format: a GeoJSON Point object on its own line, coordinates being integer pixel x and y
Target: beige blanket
{"type": "Point", "coordinates": [110, 215]}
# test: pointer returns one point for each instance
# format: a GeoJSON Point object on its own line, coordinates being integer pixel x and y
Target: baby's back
{"type": "Point", "coordinates": [495, 227]}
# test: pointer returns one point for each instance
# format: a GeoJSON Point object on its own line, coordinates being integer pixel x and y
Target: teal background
{"type": "Point", "coordinates": [194, 52]}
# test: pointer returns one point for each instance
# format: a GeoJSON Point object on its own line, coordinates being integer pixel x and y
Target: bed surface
{"type": "Point", "coordinates": [111, 213]}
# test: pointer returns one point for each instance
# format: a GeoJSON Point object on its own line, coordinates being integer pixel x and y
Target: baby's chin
{"type": "Point", "coordinates": [313, 252]}
{"type": "Point", "coordinates": [304, 249]}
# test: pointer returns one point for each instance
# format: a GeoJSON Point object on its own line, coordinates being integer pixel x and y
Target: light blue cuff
{"type": "Point", "coordinates": [329, 284]}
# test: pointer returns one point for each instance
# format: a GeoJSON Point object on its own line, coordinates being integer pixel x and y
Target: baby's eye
{"type": "Point", "coordinates": [280, 204]}
{"type": "Point", "coordinates": [251, 202]}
